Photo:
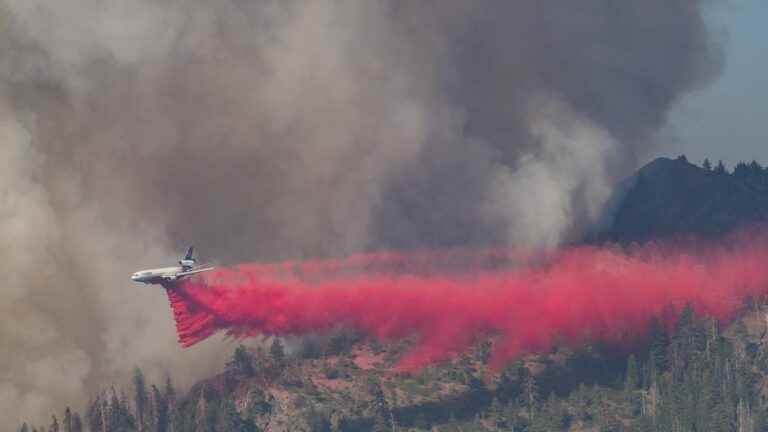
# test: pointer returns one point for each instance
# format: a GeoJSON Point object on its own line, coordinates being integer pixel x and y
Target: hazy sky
{"type": "Point", "coordinates": [728, 119]}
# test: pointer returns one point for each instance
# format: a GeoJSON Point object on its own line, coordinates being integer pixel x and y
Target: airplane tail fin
{"type": "Point", "coordinates": [189, 259]}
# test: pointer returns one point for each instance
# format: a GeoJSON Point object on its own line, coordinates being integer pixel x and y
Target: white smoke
{"type": "Point", "coordinates": [562, 187]}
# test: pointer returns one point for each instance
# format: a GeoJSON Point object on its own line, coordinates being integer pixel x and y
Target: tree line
{"type": "Point", "coordinates": [687, 379]}
{"type": "Point", "coordinates": [752, 173]}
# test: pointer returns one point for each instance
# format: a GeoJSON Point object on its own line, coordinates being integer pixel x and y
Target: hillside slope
{"type": "Point", "coordinates": [698, 379]}
{"type": "Point", "coordinates": [674, 197]}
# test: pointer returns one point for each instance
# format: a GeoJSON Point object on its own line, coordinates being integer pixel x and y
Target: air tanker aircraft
{"type": "Point", "coordinates": [168, 275]}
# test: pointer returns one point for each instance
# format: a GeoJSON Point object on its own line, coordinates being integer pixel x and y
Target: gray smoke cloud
{"type": "Point", "coordinates": [272, 129]}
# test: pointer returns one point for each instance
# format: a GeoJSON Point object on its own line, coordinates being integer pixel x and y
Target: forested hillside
{"type": "Point", "coordinates": [674, 197]}
{"type": "Point", "coordinates": [699, 378]}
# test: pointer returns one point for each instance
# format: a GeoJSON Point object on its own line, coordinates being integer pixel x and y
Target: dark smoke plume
{"type": "Point", "coordinates": [289, 129]}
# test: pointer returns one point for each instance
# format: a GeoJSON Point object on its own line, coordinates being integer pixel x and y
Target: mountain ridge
{"type": "Point", "coordinates": [668, 198]}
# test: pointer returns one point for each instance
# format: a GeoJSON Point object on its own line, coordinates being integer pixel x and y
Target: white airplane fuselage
{"type": "Point", "coordinates": [168, 275]}
{"type": "Point", "coordinates": [158, 275]}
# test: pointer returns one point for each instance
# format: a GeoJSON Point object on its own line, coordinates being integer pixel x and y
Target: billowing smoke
{"type": "Point", "coordinates": [571, 297]}
{"type": "Point", "coordinates": [279, 129]}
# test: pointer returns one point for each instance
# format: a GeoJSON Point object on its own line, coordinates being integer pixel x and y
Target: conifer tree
{"type": "Point", "coordinates": [159, 411]}
{"type": "Point", "coordinates": [707, 165]}
{"type": "Point", "coordinates": [54, 427]}
{"type": "Point", "coordinates": [741, 170]}
{"type": "Point", "coordinates": [277, 352]}
{"type": "Point", "coordinates": [115, 414]}
{"type": "Point", "coordinates": [529, 395]}
{"type": "Point", "coordinates": [169, 394]}
{"type": "Point", "coordinates": [632, 379]}
{"type": "Point", "coordinates": [381, 411]}
{"type": "Point", "coordinates": [94, 415]}
{"type": "Point", "coordinates": [720, 168]}
{"type": "Point", "coordinates": [241, 362]}
{"type": "Point", "coordinates": [339, 343]}
{"type": "Point", "coordinates": [508, 387]}
{"type": "Point", "coordinates": [24, 428]}
{"type": "Point", "coordinates": [484, 351]}
{"type": "Point", "coordinates": [140, 399]}
{"type": "Point", "coordinates": [203, 414]}
{"type": "Point", "coordinates": [496, 414]}
{"type": "Point", "coordinates": [658, 348]}
{"type": "Point", "coordinates": [77, 423]}
{"type": "Point", "coordinates": [67, 420]}
{"type": "Point", "coordinates": [230, 420]}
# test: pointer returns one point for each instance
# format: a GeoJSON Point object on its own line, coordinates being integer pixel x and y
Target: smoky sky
{"type": "Point", "coordinates": [262, 130]}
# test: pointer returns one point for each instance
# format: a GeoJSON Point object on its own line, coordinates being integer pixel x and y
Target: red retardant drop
{"type": "Point", "coordinates": [447, 301]}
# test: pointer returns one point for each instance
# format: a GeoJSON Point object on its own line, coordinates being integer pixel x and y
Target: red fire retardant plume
{"type": "Point", "coordinates": [447, 301]}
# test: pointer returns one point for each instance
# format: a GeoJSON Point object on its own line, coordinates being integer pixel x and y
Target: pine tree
{"type": "Point", "coordinates": [720, 168]}
{"type": "Point", "coordinates": [201, 414]}
{"type": "Point", "coordinates": [741, 170]}
{"type": "Point", "coordinates": [54, 427]}
{"type": "Point", "coordinates": [230, 420]}
{"type": "Point", "coordinates": [381, 411]}
{"type": "Point", "coordinates": [169, 394]}
{"type": "Point", "coordinates": [159, 411]}
{"type": "Point", "coordinates": [77, 423]}
{"type": "Point", "coordinates": [116, 415]}
{"type": "Point", "coordinates": [684, 343]}
{"type": "Point", "coordinates": [277, 352]}
{"type": "Point", "coordinates": [241, 362]}
{"type": "Point", "coordinates": [140, 399]}
{"type": "Point", "coordinates": [67, 420]}
{"type": "Point", "coordinates": [496, 414]}
{"type": "Point", "coordinates": [632, 379]}
{"type": "Point", "coordinates": [24, 428]}
{"type": "Point", "coordinates": [484, 351]}
{"type": "Point", "coordinates": [658, 348]}
{"type": "Point", "coordinates": [95, 415]}
{"type": "Point", "coordinates": [318, 421]}
{"type": "Point", "coordinates": [529, 397]}
{"type": "Point", "coordinates": [507, 387]}
{"type": "Point", "coordinates": [339, 343]}
{"type": "Point", "coordinates": [707, 165]}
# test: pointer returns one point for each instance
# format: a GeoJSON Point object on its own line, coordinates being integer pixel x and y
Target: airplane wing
{"type": "Point", "coordinates": [191, 272]}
